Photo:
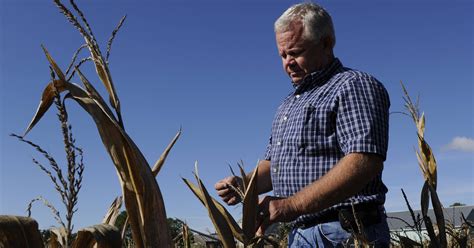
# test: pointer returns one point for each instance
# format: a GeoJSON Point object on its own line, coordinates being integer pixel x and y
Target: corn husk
{"type": "Point", "coordinates": [19, 231]}
{"type": "Point", "coordinates": [98, 236]}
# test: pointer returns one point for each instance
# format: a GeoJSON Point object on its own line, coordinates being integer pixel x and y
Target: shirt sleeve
{"type": "Point", "coordinates": [362, 117]}
{"type": "Point", "coordinates": [268, 153]}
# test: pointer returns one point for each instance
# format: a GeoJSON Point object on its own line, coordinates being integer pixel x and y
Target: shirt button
{"type": "Point", "coordinates": [285, 118]}
{"type": "Point", "coordinates": [278, 143]}
{"type": "Point", "coordinates": [297, 96]}
{"type": "Point", "coordinates": [275, 170]}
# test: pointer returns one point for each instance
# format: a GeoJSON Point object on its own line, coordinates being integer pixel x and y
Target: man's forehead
{"type": "Point", "coordinates": [291, 37]}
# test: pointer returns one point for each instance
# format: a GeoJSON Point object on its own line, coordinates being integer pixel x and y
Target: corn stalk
{"type": "Point", "coordinates": [428, 166]}
{"type": "Point", "coordinates": [142, 196]}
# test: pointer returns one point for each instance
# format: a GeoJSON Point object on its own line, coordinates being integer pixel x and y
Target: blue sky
{"type": "Point", "coordinates": [212, 68]}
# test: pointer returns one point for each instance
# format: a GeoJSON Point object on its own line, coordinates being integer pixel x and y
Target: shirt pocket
{"type": "Point", "coordinates": [318, 130]}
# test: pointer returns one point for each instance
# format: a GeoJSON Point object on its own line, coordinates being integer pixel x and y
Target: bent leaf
{"type": "Point", "coordinates": [47, 99]}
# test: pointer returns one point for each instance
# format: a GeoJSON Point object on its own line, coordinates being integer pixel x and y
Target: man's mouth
{"type": "Point", "coordinates": [295, 74]}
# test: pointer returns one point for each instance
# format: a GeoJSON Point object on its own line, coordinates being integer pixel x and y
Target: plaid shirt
{"type": "Point", "coordinates": [333, 112]}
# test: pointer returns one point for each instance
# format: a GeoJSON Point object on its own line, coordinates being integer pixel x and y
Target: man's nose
{"type": "Point", "coordinates": [290, 61]}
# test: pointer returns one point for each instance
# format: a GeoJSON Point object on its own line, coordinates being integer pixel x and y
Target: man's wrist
{"type": "Point", "coordinates": [295, 205]}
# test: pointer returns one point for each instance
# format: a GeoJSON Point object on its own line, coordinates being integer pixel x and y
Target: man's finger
{"type": "Point", "coordinates": [234, 200]}
{"type": "Point", "coordinates": [223, 192]}
{"type": "Point", "coordinates": [221, 185]}
{"type": "Point", "coordinates": [262, 226]}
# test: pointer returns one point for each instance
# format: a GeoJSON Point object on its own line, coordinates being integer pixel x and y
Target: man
{"type": "Point", "coordinates": [328, 142]}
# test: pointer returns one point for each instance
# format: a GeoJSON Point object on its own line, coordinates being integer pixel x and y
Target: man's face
{"type": "Point", "coordinates": [300, 56]}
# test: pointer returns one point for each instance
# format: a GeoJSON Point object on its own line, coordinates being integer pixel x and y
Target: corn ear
{"type": "Point", "coordinates": [19, 231]}
{"type": "Point", "coordinates": [100, 236]}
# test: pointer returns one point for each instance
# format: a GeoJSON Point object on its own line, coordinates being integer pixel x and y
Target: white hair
{"type": "Point", "coordinates": [316, 21]}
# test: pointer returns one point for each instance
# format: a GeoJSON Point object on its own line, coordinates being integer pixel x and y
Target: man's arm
{"type": "Point", "coordinates": [230, 196]}
{"type": "Point", "coordinates": [264, 178]}
{"type": "Point", "coordinates": [346, 179]}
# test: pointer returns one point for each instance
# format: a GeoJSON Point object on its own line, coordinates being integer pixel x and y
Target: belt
{"type": "Point", "coordinates": [366, 214]}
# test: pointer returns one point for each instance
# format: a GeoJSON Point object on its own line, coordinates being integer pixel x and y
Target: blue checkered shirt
{"type": "Point", "coordinates": [333, 112]}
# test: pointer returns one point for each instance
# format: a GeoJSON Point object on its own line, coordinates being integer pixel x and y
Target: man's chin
{"type": "Point", "coordinates": [296, 80]}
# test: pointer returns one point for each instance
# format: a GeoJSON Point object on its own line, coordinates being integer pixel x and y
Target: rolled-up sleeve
{"type": "Point", "coordinates": [362, 116]}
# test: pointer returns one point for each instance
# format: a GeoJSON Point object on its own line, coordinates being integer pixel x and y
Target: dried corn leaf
{"type": "Point", "coordinates": [425, 199]}
{"type": "Point", "coordinates": [58, 237]}
{"type": "Point", "coordinates": [220, 223]}
{"type": "Point", "coordinates": [142, 196]}
{"type": "Point", "coordinates": [113, 212]}
{"type": "Point", "coordinates": [47, 99]}
{"type": "Point", "coordinates": [186, 236]}
{"type": "Point", "coordinates": [235, 228]}
{"type": "Point", "coordinates": [141, 193]}
{"type": "Point", "coordinates": [407, 242]}
{"type": "Point", "coordinates": [54, 65]}
{"type": "Point", "coordinates": [104, 75]}
{"type": "Point", "coordinates": [428, 161]}
{"type": "Point", "coordinates": [438, 210]}
{"type": "Point", "coordinates": [421, 163]}
{"type": "Point", "coordinates": [157, 167]}
{"type": "Point", "coordinates": [19, 231]}
{"type": "Point", "coordinates": [100, 236]}
{"type": "Point", "coordinates": [421, 125]}
{"type": "Point", "coordinates": [434, 241]}
{"type": "Point", "coordinates": [94, 94]}
{"type": "Point", "coordinates": [250, 207]}
{"type": "Point", "coordinates": [245, 180]}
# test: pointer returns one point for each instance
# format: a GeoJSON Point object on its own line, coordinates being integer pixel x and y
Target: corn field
{"type": "Point", "coordinates": [145, 222]}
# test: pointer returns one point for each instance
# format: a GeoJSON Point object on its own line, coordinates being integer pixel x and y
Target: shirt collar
{"type": "Point", "coordinates": [318, 78]}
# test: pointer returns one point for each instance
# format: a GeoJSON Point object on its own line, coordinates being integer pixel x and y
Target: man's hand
{"type": "Point", "coordinates": [273, 209]}
{"type": "Point", "coordinates": [226, 192]}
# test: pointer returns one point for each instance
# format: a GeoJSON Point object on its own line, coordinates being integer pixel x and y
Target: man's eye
{"type": "Point", "coordinates": [295, 53]}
